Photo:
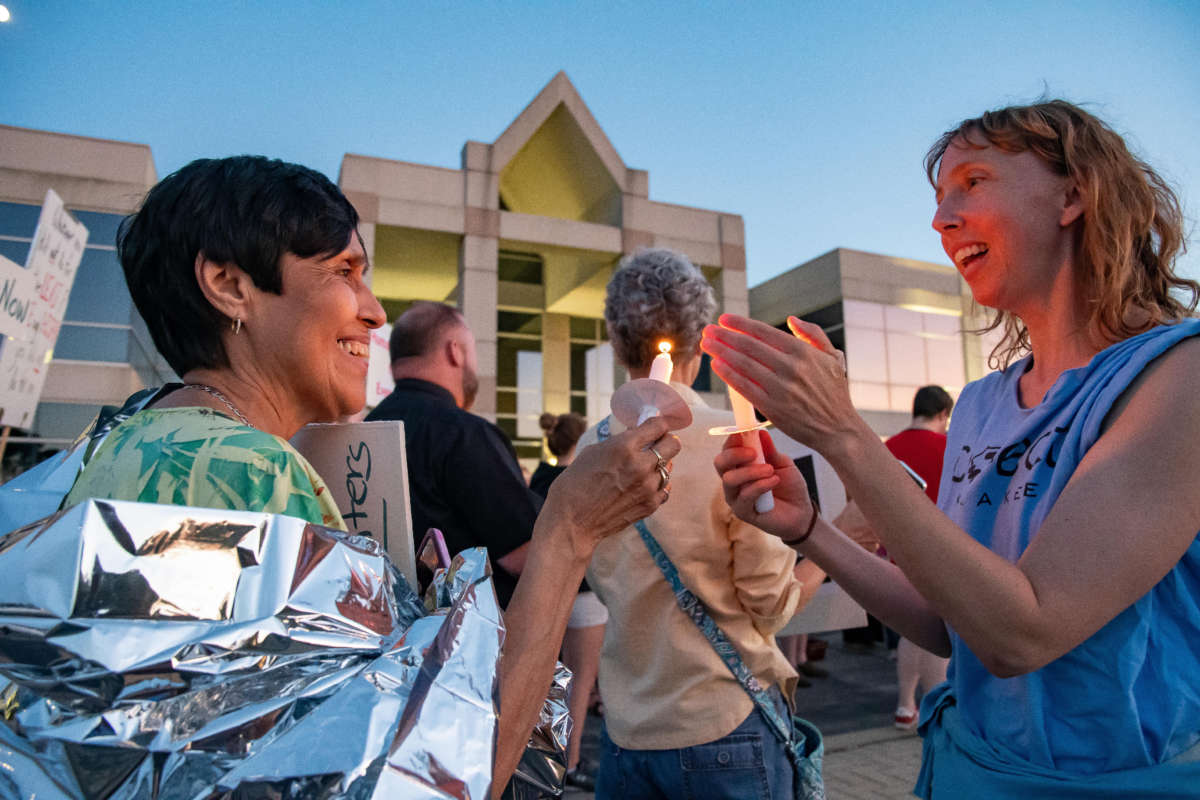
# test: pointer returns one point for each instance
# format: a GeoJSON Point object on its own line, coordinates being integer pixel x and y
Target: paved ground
{"type": "Point", "coordinates": [865, 757]}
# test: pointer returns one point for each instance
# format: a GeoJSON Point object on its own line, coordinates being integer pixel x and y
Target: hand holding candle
{"type": "Point", "coordinates": [747, 426]}
{"type": "Point", "coordinates": [745, 421]}
{"type": "Point", "coordinates": [660, 370]}
{"type": "Point", "coordinates": [639, 400]}
{"type": "Point", "coordinates": [662, 366]}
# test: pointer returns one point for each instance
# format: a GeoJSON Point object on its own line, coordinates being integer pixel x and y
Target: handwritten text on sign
{"type": "Point", "coordinates": [54, 257]}
{"type": "Point", "coordinates": [363, 465]}
{"type": "Point", "coordinates": [358, 476]}
{"type": "Point", "coordinates": [17, 290]}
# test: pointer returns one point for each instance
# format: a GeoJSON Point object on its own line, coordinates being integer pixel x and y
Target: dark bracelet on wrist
{"type": "Point", "coordinates": [812, 523]}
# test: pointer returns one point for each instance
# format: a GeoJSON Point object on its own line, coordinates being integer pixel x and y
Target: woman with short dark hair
{"type": "Point", "coordinates": [251, 275]}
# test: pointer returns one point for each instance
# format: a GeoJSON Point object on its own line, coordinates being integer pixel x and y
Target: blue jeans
{"type": "Point", "coordinates": [747, 764]}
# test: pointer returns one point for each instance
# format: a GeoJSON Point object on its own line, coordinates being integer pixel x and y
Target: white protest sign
{"type": "Point", "coordinates": [364, 466]}
{"type": "Point", "coordinates": [831, 609]}
{"type": "Point", "coordinates": [53, 260]}
{"type": "Point", "coordinates": [379, 366]}
{"type": "Point", "coordinates": [17, 290]}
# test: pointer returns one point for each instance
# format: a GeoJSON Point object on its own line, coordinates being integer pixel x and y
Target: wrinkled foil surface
{"type": "Point", "coordinates": [166, 652]}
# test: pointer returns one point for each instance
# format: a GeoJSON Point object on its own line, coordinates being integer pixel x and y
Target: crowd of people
{"type": "Point", "coordinates": [1045, 580]}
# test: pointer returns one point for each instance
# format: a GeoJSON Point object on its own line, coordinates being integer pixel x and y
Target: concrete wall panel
{"type": "Point", "coordinates": [637, 182]}
{"type": "Point", "coordinates": [477, 156]}
{"type": "Point", "coordinates": [68, 156]}
{"type": "Point", "coordinates": [681, 222]}
{"type": "Point", "coordinates": [89, 382]}
{"type": "Point", "coordinates": [700, 252]}
{"type": "Point", "coordinates": [367, 231]}
{"type": "Point", "coordinates": [732, 229]}
{"type": "Point", "coordinates": [556, 363]}
{"type": "Point", "coordinates": [481, 222]}
{"type": "Point", "coordinates": [636, 212]}
{"type": "Point", "coordinates": [423, 216]}
{"type": "Point", "coordinates": [632, 240]}
{"type": "Point", "coordinates": [559, 232]}
{"type": "Point", "coordinates": [365, 203]}
{"type": "Point", "coordinates": [401, 180]}
{"type": "Point", "coordinates": [21, 186]}
{"type": "Point", "coordinates": [735, 297]}
{"type": "Point", "coordinates": [482, 189]}
{"type": "Point", "coordinates": [800, 290]}
{"type": "Point", "coordinates": [733, 257]}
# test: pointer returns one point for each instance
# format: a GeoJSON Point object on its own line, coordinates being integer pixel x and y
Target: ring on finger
{"type": "Point", "coordinates": [657, 454]}
{"type": "Point", "coordinates": [664, 477]}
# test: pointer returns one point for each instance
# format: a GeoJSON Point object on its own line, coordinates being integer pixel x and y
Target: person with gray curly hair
{"type": "Point", "coordinates": [670, 701]}
{"type": "Point", "coordinates": [657, 294]}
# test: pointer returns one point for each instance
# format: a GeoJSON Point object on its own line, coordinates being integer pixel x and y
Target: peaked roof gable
{"type": "Point", "coordinates": [559, 91]}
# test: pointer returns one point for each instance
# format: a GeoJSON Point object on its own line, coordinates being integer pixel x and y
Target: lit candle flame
{"type": "Point", "coordinates": [661, 366]}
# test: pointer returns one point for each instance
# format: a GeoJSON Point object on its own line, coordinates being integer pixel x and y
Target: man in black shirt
{"type": "Point", "coordinates": [463, 474]}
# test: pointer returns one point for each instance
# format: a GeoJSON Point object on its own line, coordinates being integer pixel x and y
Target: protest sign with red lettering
{"type": "Point", "coordinates": [53, 259]}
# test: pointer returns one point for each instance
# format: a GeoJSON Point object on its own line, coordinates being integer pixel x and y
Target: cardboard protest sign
{"type": "Point", "coordinates": [54, 257]}
{"type": "Point", "coordinates": [364, 466]}
{"type": "Point", "coordinates": [831, 609]}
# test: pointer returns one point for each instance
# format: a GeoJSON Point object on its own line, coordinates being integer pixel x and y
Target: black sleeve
{"type": "Point", "coordinates": [485, 484]}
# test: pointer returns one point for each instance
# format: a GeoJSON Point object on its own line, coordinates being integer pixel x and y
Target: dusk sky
{"type": "Point", "coordinates": [808, 119]}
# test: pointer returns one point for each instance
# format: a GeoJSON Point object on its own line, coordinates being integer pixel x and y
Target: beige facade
{"type": "Point", "coordinates": [103, 352]}
{"type": "Point", "coordinates": [523, 238]}
{"type": "Point", "coordinates": [902, 324]}
{"type": "Point", "coordinates": [88, 174]}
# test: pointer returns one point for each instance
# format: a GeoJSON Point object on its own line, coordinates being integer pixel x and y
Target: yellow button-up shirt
{"type": "Point", "coordinates": [662, 683]}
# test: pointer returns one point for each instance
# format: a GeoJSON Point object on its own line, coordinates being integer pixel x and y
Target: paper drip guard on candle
{"type": "Point", "coordinates": [766, 500]}
{"type": "Point", "coordinates": [645, 398]}
{"type": "Point", "coordinates": [637, 401]}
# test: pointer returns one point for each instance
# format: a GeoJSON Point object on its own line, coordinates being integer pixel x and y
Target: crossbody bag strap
{"type": "Point", "coordinates": [693, 607]}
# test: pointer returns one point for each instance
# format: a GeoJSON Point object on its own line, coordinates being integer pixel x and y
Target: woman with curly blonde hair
{"type": "Point", "coordinates": [1060, 570]}
{"type": "Point", "coordinates": [1134, 225]}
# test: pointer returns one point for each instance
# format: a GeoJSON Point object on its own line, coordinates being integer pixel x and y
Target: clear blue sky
{"type": "Point", "coordinates": [809, 119]}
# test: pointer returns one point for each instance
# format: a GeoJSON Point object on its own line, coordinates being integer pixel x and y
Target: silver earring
{"type": "Point", "coordinates": [237, 326]}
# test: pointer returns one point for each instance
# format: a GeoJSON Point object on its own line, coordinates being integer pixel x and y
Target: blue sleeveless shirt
{"type": "Point", "coordinates": [1129, 696]}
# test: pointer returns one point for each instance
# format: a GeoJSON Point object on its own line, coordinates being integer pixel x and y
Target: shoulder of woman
{"type": "Point", "coordinates": [1179, 367]}
{"type": "Point", "coordinates": [228, 441]}
{"type": "Point", "coordinates": [1167, 389]}
{"type": "Point", "coordinates": [993, 381]}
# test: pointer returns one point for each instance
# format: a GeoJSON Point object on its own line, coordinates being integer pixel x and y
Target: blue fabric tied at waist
{"type": "Point", "coordinates": [956, 763]}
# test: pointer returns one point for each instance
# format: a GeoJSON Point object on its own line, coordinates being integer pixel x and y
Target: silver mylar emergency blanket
{"type": "Point", "coordinates": [167, 652]}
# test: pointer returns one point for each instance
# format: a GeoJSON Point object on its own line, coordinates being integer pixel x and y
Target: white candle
{"type": "Point", "coordinates": [743, 417]}
{"type": "Point", "coordinates": [660, 370]}
{"type": "Point", "coordinates": [661, 367]}
{"type": "Point", "coordinates": [743, 412]}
